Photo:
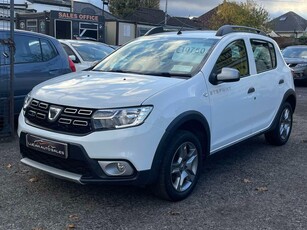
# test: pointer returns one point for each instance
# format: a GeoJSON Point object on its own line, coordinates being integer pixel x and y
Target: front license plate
{"type": "Point", "coordinates": [54, 148]}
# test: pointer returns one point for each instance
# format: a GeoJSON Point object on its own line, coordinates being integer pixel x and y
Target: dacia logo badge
{"type": "Point", "coordinates": [54, 112]}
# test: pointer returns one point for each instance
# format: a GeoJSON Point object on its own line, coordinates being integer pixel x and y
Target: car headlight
{"type": "Point", "coordinates": [26, 102]}
{"type": "Point", "coordinates": [120, 118]}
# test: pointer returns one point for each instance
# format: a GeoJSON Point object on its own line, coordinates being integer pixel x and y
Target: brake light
{"type": "Point", "coordinates": [72, 65]}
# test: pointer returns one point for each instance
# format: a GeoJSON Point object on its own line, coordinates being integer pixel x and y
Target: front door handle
{"type": "Point", "coordinates": [251, 90]}
{"type": "Point", "coordinates": [281, 81]}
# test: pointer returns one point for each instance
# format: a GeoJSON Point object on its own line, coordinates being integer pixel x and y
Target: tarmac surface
{"type": "Point", "coordinates": [252, 185]}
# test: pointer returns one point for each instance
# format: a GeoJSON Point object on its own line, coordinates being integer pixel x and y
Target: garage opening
{"type": "Point", "coordinates": [62, 29]}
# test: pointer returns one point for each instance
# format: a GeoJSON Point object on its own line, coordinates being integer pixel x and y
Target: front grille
{"type": "Point", "coordinates": [77, 166]}
{"type": "Point", "coordinates": [70, 120]}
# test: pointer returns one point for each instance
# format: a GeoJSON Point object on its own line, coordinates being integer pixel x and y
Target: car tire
{"type": "Point", "coordinates": [282, 130]}
{"type": "Point", "coordinates": [180, 167]}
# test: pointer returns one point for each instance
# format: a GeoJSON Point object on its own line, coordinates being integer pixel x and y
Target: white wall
{"type": "Point", "coordinates": [19, 1]}
{"type": "Point", "coordinates": [45, 7]}
{"type": "Point", "coordinates": [126, 32]}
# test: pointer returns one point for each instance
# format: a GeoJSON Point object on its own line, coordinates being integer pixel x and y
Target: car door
{"type": "Point", "coordinates": [269, 84]}
{"type": "Point", "coordinates": [36, 60]}
{"type": "Point", "coordinates": [231, 102]}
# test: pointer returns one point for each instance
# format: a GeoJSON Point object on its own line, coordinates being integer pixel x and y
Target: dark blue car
{"type": "Point", "coordinates": [38, 58]}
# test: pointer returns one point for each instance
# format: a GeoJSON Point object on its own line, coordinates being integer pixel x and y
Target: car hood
{"type": "Point", "coordinates": [90, 89]}
{"type": "Point", "coordinates": [295, 60]}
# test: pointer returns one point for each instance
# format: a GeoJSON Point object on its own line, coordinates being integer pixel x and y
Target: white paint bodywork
{"type": "Point", "coordinates": [232, 114]}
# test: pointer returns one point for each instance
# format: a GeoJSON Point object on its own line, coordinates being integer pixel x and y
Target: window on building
{"type": "Point", "coordinates": [32, 25]}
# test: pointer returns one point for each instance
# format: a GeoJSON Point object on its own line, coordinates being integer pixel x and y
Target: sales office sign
{"type": "Point", "coordinates": [83, 17]}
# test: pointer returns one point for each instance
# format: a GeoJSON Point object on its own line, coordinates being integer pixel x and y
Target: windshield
{"type": "Point", "coordinates": [163, 56]}
{"type": "Point", "coordinates": [92, 51]}
{"type": "Point", "coordinates": [295, 52]}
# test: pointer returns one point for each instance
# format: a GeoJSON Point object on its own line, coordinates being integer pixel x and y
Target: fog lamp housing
{"type": "Point", "coordinates": [116, 168]}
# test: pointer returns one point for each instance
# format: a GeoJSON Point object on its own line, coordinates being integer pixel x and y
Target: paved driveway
{"type": "Point", "coordinates": [250, 186]}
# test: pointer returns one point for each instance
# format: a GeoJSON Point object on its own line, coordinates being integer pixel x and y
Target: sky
{"type": "Point", "coordinates": [186, 8]}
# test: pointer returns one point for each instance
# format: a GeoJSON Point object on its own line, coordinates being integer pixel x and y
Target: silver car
{"type": "Point", "coordinates": [85, 53]}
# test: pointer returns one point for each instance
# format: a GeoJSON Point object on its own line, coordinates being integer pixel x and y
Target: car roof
{"type": "Point", "coordinates": [69, 41]}
{"type": "Point", "coordinates": [81, 41]}
{"type": "Point", "coordinates": [223, 31]}
{"type": "Point", "coordinates": [188, 34]}
{"type": "Point", "coordinates": [26, 32]}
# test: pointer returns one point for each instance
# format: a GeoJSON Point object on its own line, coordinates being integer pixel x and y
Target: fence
{"type": "Point", "coordinates": [6, 68]}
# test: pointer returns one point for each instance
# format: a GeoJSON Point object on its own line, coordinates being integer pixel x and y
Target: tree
{"type": "Point", "coordinates": [245, 14]}
{"type": "Point", "coordinates": [123, 8]}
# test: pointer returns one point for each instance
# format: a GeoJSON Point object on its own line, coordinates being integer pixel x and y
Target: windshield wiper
{"type": "Point", "coordinates": [111, 70]}
{"type": "Point", "coordinates": [168, 74]}
{"type": "Point", "coordinates": [162, 74]}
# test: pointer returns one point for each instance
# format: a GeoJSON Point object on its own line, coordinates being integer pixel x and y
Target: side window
{"type": "Point", "coordinates": [69, 51]}
{"type": "Point", "coordinates": [48, 50]}
{"type": "Point", "coordinates": [234, 56]}
{"type": "Point", "coordinates": [28, 49]}
{"type": "Point", "coordinates": [264, 54]}
{"type": "Point", "coordinates": [4, 55]}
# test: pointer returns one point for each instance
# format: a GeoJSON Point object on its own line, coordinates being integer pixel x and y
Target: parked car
{"type": "Point", "coordinates": [296, 58]}
{"type": "Point", "coordinates": [150, 112]}
{"type": "Point", "coordinates": [38, 58]}
{"type": "Point", "coordinates": [85, 53]}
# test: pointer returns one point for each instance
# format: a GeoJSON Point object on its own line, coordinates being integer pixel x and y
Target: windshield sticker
{"type": "Point", "coordinates": [191, 53]}
{"type": "Point", "coordinates": [181, 68]}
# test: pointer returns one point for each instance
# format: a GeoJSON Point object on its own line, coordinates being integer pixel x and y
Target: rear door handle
{"type": "Point", "coordinates": [251, 90]}
{"type": "Point", "coordinates": [281, 81]}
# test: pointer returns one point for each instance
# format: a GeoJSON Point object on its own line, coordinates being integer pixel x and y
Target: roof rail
{"type": "Point", "coordinates": [161, 29]}
{"type": "Point", "coordinates": [155, 30]}
{"type": "Point", "coordinates": [227, 29]}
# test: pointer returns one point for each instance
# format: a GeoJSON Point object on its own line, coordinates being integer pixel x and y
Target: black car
{"type": "Point", "coordinates": [296, 58]}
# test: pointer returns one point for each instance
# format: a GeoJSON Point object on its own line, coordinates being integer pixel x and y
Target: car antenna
{"type": "Point", "coordinates": [179, 31]}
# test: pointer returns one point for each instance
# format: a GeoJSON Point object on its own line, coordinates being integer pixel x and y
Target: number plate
{"type": "Point", "coordinates": [53, 148]}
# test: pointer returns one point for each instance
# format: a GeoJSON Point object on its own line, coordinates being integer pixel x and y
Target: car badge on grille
{"type": "Point", "coordinates": [54, 112]}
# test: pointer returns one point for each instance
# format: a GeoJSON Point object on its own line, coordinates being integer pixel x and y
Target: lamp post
{"type": "Point", "coordinates": [165, 19]}
{"type": "Point", "coordinates": [104, 2]}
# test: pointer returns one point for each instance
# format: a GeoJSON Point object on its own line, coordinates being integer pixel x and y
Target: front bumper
{"type": "Point", "coordinates": [78, 167]}
{"type": "Point", "coordinates": [134, 145]}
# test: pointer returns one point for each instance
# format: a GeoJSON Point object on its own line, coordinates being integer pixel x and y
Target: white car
{"type": "Point", "coordinates": [85, 53]}
{"type": "Point", "coordinates": [150, 112]}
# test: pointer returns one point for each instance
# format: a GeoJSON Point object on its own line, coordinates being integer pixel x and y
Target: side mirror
{"type": "Point", "coordinates": [73, 58]}
{"type": "Point", "coordinates": [228, 75]}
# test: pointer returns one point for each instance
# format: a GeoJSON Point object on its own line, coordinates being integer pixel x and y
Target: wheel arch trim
{"type": "Point", "coordinates": [289, 97]}
{"type": "Point", "coordinates": [176, 124]}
